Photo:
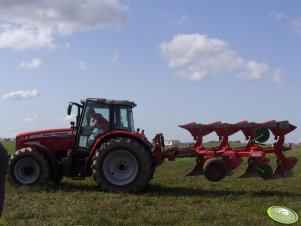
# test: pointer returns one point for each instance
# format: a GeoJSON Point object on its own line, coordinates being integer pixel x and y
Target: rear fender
{"type": "Point", "coordinates": [105, 137]}
{"type": "Point", "coordinates": [47, 153]}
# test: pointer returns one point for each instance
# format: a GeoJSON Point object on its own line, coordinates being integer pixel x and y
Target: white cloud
{"type": "Point", "coordinates": [254, 70]}
{"type": "Point", "coordinates": [19, 37]}
{"type": "Point", "coordinates": [196, 56]}
{"type": "Point", "coordinates": [34, 63]}
{"type": "Point", "coordinates": [296, 25]}
{"type": "Point", "coordinates": [32, 119]}
{"type": "Point", "coordinates": [67, 45]}
{"type": "Point", "coordinates": [67, 15]}
{"type": "Point", "coordinates": [214, 64]}
{"type": "Point", "coordinates": [33, 24]}
{"type": "Point", "coordinates": [287, 93]}
{"type": "Point", "coordinates": [83, 66]}
{"type": "Point", "coordinates": [279, 16]}
{"type": "Point", "coordinates": [9, 132]}
{"type": "Point", "coordinates": [115, 57]}
{"type": "Point", "coordinates": [250, 87]}
{"type": "Point", "coordinates": [183, 19]}
{"type": "Point", "coordinates": [185, 48]}
{"type": "Point", "coordinates": [21, 95]}
{"type": "Point", "coordinates": [71, 117]}
{"type": "Point", "coordinates": [277, 75]}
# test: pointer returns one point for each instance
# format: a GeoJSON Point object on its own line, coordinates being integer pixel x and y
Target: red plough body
{"type": "Point", "coordinates": [216, 162]}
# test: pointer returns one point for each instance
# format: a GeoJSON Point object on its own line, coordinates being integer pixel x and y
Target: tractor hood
{"type": "Point", "coordinates": [52, 139]}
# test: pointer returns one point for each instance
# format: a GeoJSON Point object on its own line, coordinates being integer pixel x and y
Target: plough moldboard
{"type": "Point", "coordinates": [217, 162]}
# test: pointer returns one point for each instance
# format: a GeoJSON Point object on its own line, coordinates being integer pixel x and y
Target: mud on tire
{"type": "Point", "coordinates": [122, 165]}
{"type": "Point", "coordinates": [28, 167]}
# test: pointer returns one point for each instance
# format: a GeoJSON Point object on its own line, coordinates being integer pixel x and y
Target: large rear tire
{"type": "Point", "coordinates": [122, 165]}
{"type": "Point", "coordinates": [27, 166]}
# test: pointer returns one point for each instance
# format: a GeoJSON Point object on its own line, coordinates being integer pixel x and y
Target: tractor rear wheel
{"type": "Point", "coordinates": [28, 167]}
{"type": "Point", "coordinates": [122, 165]}
{"type": "Point", "coordinates": [215, 169]}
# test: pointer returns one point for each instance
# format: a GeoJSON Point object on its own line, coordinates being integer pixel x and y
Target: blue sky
{"type": "Point", "coordinates": [181, 61]}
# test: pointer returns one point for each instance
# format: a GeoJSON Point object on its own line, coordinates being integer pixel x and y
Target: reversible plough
{"type": "Point", "coordinates": [217, 162]}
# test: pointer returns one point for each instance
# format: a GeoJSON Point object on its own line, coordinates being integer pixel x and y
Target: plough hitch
{"type": "Point", "coordinates": [217, 162]}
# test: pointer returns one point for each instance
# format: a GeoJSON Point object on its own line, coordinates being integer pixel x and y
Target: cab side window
{"type": "Point", "coordinates": [121, 119]}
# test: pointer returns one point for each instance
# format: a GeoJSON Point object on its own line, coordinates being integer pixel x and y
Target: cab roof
{"type": "Point", "coordinates": [110, 102]}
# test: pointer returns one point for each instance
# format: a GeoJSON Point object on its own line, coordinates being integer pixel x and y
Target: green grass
{"type": "Point", "coordinates": [9, 145]}
{"type": "Point", "coordinates": [170, 199]}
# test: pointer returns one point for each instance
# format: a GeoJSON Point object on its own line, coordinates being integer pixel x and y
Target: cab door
{"type": "Point", "coordinates": [89, 129]}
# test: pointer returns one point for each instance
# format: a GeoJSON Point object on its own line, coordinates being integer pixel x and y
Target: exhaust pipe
{"type": "Point", "coordinates": [3, 168]}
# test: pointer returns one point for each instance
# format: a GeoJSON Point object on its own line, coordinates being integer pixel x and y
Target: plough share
{"type": "Point", "coordinates": [217, 162]}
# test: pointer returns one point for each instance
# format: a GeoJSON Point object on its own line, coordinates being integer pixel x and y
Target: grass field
{"type": "Point", "coordinates": [170, 199]}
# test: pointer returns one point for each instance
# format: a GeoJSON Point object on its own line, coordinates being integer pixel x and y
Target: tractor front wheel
{"type": "Point", "coordinates": [122, 164]}
{"type": "Point", "coordinates": [215, 169]}
{"type": "Point", "coordinates": [28, 167]}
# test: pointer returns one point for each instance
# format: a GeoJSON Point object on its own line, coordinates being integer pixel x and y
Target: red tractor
{"type": "Point", "coordinates": [101, 143]}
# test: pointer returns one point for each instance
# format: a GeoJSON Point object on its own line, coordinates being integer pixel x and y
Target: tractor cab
{"type": "Point", "coordinates": [95, 117]}
{"type": "Point", "coordinates": [106, 144]}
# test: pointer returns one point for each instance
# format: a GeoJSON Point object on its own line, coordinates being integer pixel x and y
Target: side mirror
{"type": "Point", "coordinates": [69, 109]}
{"type": "Point", "coordinates": [72, 124]}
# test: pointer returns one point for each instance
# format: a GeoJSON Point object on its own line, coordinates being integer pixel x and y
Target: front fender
{"type": "Point", "coordinates": [47, 153]}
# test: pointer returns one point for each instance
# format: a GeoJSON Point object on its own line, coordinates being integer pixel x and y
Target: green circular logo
{"type": "Point", "coordinates": [282, 214]}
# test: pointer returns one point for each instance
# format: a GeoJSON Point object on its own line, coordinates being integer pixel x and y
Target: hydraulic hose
{"type": "Point", "coordinates": [3, 168]}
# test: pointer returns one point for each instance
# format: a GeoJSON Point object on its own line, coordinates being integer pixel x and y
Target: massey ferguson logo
{"type": "Point", "coordinates": [55, 134]}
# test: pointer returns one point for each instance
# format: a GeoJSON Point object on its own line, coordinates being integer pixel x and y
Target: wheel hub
{"type": "Point", "coordinates": [28, 170]}
{"type": "Point", "coordinates": [121, 166]}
